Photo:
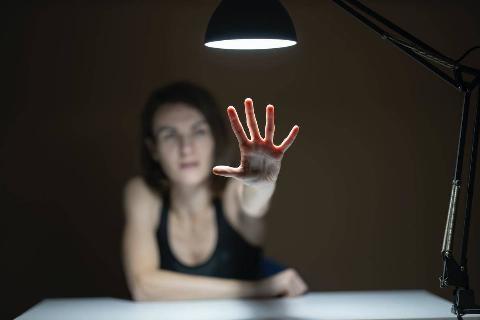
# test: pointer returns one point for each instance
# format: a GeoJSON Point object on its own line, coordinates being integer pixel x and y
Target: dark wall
{"type": "Point", "coordinates": [362, 197]}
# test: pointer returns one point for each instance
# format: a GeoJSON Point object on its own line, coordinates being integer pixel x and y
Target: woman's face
{"type": "Point", "coordinates": [184, 144]}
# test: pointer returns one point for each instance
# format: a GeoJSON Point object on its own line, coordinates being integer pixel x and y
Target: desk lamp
{"type": "Point", "coordinates": [266, 24]}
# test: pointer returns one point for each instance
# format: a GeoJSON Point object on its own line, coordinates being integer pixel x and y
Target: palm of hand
{"type": "Point", "coordinates": [260, 158]}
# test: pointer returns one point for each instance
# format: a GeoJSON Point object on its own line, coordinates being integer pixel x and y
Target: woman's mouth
{"type": "Point", "coordinates": [188, 165]}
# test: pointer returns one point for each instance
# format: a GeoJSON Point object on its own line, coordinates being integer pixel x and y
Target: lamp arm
{"type": "Point", "coordinates": [357, 4]}
{"type": "Point", "coordinates": [453, 274]}
{"type": "Point", "coordinates": [415, 48]}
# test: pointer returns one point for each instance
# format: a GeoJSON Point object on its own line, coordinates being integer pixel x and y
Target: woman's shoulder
{"type": "Point", "coordinates": [141, 202]}
{"type": "Point", "coordinates": [137, 185]}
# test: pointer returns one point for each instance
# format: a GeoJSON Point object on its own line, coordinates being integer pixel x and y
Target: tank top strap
{"type": "Point", "coordinates": [165, 207]}
{"type": "Point", "coordinates": [162, 228]}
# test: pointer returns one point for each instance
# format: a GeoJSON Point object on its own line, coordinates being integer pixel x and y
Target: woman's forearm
{"type": "Point", "coordinates": [169, 285]}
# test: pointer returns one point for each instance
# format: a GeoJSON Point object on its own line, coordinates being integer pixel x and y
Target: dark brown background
{"type": "Point", "coordinates": [362, 198]}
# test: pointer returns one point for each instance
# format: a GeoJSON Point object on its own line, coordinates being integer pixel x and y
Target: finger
{"type": "Point", "coordinates": [251, 120]}
{"type": "Point", "coordinates": [226, 171]}
{"type": "Point", "coordinates": [289, 139]}
{"type": "Point", "coordinates": [237, 125]}
{"type": "Point", "coordinates": [300, 286]}
{"type": "Point", "coordinates": [270, 123]}
{"type": "Point", "coordinates": [292, 290]}
{"type": "Point", "coordinates": [292, 284]}
{"type": "Point", "coordinates": [296, 287]}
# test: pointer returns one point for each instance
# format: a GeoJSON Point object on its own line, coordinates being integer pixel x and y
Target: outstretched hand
{"type": "Point", "coordinates": [260, 158]}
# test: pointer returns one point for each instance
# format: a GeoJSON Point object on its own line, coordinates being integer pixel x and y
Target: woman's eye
{"type": "Point", "coordinates": [169, 136]}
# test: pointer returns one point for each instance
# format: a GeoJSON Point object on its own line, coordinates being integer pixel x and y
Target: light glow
{"type": "Point", "coordinates": [250, 44]}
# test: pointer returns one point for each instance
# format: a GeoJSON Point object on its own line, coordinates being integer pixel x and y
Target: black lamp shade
{"type": "Point", "coordinates": [250, 24]}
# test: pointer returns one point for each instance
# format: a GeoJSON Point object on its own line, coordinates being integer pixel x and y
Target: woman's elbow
{"type": "Point", "coordinates": [137, 294]}
{"type": "Point", "coordinates": [139, 289]}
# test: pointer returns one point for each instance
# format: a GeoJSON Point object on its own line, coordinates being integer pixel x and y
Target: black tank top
{"type": "Point", "coordinates": [233, 256]}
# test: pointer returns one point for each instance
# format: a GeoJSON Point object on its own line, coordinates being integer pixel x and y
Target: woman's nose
{"type": "Point", "coordinates": [186, 145]}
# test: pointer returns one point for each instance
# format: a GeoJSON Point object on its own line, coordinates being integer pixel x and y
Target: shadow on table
{"type": "Point", "coordinates": [280, 318]}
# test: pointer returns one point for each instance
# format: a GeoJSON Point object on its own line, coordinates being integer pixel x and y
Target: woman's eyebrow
{"type": "Point", "coordinates": [199, 123]}
{"type": "Point", "coordinates": [168, 128]}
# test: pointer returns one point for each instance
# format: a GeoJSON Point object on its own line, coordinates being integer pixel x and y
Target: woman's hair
{"type": "Point", "coordinates": [198, 98]}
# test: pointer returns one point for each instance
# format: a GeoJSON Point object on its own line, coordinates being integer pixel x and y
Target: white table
{"type": "Point", "coordinates": [361, 305]}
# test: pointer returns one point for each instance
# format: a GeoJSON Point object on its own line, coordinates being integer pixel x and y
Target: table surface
{"type": "Point", "coordinates": [361, 305]}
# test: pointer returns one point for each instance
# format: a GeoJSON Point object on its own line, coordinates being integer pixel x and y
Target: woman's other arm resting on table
{"type": "Point", "coordinates": [141, 259]}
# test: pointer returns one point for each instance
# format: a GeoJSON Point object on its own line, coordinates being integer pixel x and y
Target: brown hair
{"type": "Point", "coordinates": [200, 99]}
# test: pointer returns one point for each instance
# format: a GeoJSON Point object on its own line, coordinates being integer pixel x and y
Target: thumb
{"type": "Point", "coordinates": [226, 171]}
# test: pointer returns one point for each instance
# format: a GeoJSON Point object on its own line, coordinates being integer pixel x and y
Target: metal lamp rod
{"type": "Point", "coordinates": [454, 274]}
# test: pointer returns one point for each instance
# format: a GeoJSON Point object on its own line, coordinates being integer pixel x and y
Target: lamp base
{"type": "Point", "coordinates": [464, 303]}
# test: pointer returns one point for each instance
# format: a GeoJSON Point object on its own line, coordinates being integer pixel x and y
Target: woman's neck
{"type": "Point", "coordinates": [190, 200]}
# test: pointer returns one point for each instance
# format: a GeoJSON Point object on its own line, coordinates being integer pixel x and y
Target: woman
{"type": "Point", "coordinates": [190, 234]}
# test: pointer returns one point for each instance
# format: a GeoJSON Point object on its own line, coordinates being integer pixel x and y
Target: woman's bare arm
{"type": "Point", "coordinates": [169, 285]}
{"type": "Point", "coordinates": [141, 258]}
